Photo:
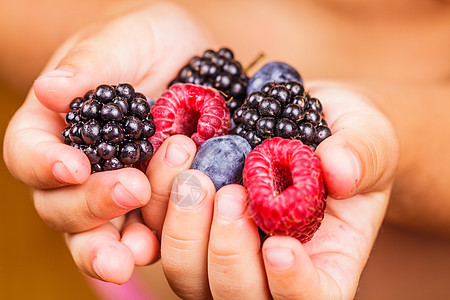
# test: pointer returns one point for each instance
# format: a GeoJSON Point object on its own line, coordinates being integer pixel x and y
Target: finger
{"type": "Point", "coordinates": [100, 254]}
{"type": "Point", "coordinates": [35, 155]}
{"type": "Point", "coordinates": [235, 266]}
{"type": "Point", "coordinates": [112, 53]}
{"type": "Point", "coordinates": [174, 156]}
{"type": "Point", "coordinates": [184, 241]}
{"type": "Point", "coordinates": [362, 153]}
{"type": "Point", "coordinates": [291, 273]}
{"type": "Point", "coordinates": [106, 195]}
{"type": "Point", "coordinates": [140, 239]}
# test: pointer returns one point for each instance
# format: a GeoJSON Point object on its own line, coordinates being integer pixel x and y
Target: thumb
{"type": "Point", "coordinates": [144, 48]}
{"type": "Point", "coordinates": [362, 154]}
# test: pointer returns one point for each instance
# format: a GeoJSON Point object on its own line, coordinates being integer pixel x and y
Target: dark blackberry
{"type": "Point", "coordinates": [104, 93]}
{"type": "Point", "coordinates": [281, 109]}
{"type": "Point", "coordinates": [125, 91]}
{"type": "Point", "coordinates": [73, 117]}
{"type": "Point", "coordinates": [218, 70]}
{"type": "Point", "coordinates": [111, 125]}
{"type": "Point", "coordinates": [90, 131]}
{"type": "Point", "coordinates": [76, 103]}
{"type": "Point", "coordinates": [90, 109]}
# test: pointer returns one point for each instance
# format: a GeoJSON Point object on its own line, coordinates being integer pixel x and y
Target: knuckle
{"type": "Point", "coordinates": [177, 242]}
{"type": "Point", "coordinates": [45, 211]}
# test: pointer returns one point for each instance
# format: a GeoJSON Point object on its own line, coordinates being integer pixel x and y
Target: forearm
{"type": "Point", "coordinates": [419, 112]}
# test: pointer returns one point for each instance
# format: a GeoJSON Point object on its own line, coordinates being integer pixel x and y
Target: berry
{"type": "Point", "coordinates": [104, 93]}
{"type": "Point", "coordinates": [286, 192]}
{"type": "Point", "coordinates": [112, 126]}
{"type": "Point", "coordinates": [222, 159]}
{"type": "Point", "coordinates": [272, 72]}
{"type": "Point", "coordinates": [283, 110]}
{"type": "Point", "coordinates": [218, 70]}
{"type": "Point", "coordinates": [193, 110]}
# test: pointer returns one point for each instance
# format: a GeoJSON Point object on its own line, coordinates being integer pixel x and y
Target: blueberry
{"type": "Point", "coordinates": [273, 71]}
{"type": "Point", "coordinates": [222, 159]}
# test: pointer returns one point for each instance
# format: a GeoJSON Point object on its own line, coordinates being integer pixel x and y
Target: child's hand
{"type": "Point", "coordinates": [211, 248]}
{"type": "Point", "coordinates": [144, 48]}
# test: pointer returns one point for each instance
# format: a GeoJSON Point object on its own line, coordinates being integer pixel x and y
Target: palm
{"type": "Point", "coordinates": [342, 244]}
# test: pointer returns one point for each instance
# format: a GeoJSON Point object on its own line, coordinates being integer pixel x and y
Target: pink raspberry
{"type": "Point", "coordinates": [286, 193]}
{"type": "Point", "coordinates": [193, 110]}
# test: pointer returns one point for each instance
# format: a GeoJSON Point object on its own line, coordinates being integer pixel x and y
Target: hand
{"type": "Point", "coordinates": [145, 48]}
{"type": "Point", "coordinates": [211, 248]}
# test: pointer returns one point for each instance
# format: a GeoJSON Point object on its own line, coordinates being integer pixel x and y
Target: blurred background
{"type": "Point", "coordinates": [34, 261]}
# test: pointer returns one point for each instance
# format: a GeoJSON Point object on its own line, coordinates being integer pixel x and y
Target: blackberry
{"type": "Point", "coordinates": [218, 70]}
{"type": "Point", "coordinates": [112, 126]}
{"type": "Point", "coordinates": [281, 109]}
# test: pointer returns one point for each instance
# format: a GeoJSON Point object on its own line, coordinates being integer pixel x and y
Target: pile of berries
{"type": "Point", "coordinates": [277, 126]}
{"type": "Point", "coordinates": [281, 109]}
{"type": "Point", "coordinates": [219, 70]}
{"type": "Point", "coordinates": [112, 126]}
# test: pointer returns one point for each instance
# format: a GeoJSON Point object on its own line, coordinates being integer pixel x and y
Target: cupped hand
{"type": "Point", "coordinates": [145, 48]}
{"type": "Point", "coordinates": [210, 248]}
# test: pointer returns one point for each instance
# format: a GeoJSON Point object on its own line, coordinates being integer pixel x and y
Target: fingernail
{"type": "Point", "coordinates": [123, 198]}
{"type": "Point", "coordinates": [62, 174]}
{"type": "Point", "coordinates": [187, 191]}
{"type": "Point", "coordinates": [230, 207]}
{"type": "Point", "coordinates": [350, 159]}
{"type": "Point", "coordinates": [280, 258]}
{"type": "Point", "coordinates": [176, 155]}
{"type": "Point", "coordinates": [355, 161]}
{"type": "Point", "coordinates": [97, 268]}
{"type": "Point", "coordinates": [62, 71]}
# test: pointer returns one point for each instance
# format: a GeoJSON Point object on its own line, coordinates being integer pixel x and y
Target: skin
{"type": "Point", "coordinates": [369, 68]}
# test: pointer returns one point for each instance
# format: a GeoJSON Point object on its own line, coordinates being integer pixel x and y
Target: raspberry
{"type": "Point", "coordinates": [281, 110]}
{"type": "Point", "coordinates": [217, 70]}
{"type": "Point", "coordinates": [286, 193]}
{"type": "Point", "coordinates": [193, 110]}
{"type": "Point", "coordinates": [111, 125]}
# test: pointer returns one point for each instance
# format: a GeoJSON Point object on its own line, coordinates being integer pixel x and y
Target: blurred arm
{"type": "Point", "coordinates": [419, 112]}
{"type": "Point", "coordinates": [30, 31]}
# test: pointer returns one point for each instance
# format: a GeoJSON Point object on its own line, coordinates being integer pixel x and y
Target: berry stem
{"type": "Point", "coordinates": [255, 61]}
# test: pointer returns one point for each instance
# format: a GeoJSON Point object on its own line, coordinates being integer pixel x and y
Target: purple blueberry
{"type": "Point", "coordinates": [222, 159]}
{"type": "Point", "coordinates": [272, 71]}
